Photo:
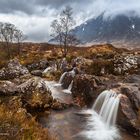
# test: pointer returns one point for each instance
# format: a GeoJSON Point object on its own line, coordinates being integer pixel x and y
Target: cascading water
{"type": "Point", "coordinates": [59, 84]}
{"type": "Point", "coordinates": [101, 123]}
{"type": "Point", "coordinates": [68, 91]}
{"type": "Point", "coordinates": [62, 77]}
{"type": "Point", "coordinates": [107, 105]}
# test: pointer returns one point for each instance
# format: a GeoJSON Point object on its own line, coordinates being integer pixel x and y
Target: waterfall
{"type": "Point", "coordinates": [62, 77]}
{"type": "Point", "coordinates": [106, 106]}
{"type": "Point", "coordinates": [102, 119]}
{"type": "Point", "coordinates": [68, 91]}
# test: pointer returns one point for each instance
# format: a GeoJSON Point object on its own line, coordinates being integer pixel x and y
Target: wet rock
{"type": "Point", "coordinates": [8, 88]}
{"type": "Point", "coordinates": [129, 106]}
{"type": "Point", "coordinates": [41, 65]}
{"type": "Point", "coordinates": [86, 88]}
{"type": "Point", "coordinates": [14, 69]}
{"type": "Point", "coordinates": [133, 93]}
{"type": "Point", "coordinates": [36, 72]}
{"type": "Point", "coordinates": [67, 80]}
{"type": "Point", "coordinates": [127, 117]}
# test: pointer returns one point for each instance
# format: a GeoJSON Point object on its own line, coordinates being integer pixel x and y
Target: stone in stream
{"type": "Point", "coordinates": [87, 88]}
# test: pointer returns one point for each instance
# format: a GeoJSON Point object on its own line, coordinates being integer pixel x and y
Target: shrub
{"type": "Point", "coordinates": [17, 124]}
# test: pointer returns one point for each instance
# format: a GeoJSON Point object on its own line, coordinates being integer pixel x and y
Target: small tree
{"type": "Point", "coordinates": [19, 37]}
{"type": "Point", "coordinates": [57, 32]}
{"type": "Point", "coordinates": [62, 27]}
{"type": "Point", "coordinates": [10, 34]}
{"type": "Point", "coordinates": [7, 31]}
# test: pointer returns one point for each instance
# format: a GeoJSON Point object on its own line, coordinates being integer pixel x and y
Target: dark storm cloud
{"type": "Point", "coordinates": [32, 6]}
{"type": "Point", "coordinates": [11, 6]}
{"type": "Point", "coordinates": [35, 16]}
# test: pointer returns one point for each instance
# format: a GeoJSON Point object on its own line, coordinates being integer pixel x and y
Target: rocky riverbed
{"type": "Point", "coordinates": [52, 105]}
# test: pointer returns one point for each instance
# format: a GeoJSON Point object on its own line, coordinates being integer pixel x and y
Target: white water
{"type": "Point", "coordinates": [101, 123]}
{"type": "Point", "coordinates": [96, 129]}
{"type": "Point", "coordinates": [47, 69]}
{"type": "Point", "coordinates": [107, 105]}
{"type": "Point", "coordinates": [68, 91]}
{"type": "Point", "coordinates": [62, 77]}
{"type": "Point", "coordinates": [59, 84]}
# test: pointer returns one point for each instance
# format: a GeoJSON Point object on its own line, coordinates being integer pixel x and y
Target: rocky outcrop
{"type": "Point", "coordinates": [14, 69]}
{"type": "Point", "coordinates": [41, 65]}
{"type": "Point", "coordinates": [126, 63]}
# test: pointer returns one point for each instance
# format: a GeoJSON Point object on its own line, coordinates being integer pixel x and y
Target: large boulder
{"type": "Point", "coordinates": [14, 69]}
{"type": "Point", "coordinates": [127, 117]}
{"type": "Point", "coordinates": [86, 88]}
{"type": "Point", "coordinates": [129, 106]}
{"type": "Point", "coordinates": [35, 94]}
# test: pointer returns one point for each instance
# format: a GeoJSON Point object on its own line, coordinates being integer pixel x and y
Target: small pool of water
{"type": "Point", "coordinates": [68, 125]}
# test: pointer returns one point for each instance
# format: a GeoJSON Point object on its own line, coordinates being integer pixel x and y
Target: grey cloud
{"type": "Point", "coordinates": [12, 6]}
{"type": "Point", "coordinates": [40, 13]}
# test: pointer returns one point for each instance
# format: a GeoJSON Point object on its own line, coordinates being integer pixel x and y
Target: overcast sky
{"type": "Point", "coordinates": [34, 17]}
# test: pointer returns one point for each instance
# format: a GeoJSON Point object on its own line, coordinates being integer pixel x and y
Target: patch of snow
{"type": "Point", "coordinates": [83, 29]}
{"type": "Point", "coordinates": [85, 23]}
{"type": "Point", "coordinates": [133, 26]}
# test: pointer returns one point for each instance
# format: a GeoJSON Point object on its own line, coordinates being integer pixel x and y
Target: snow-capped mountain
{"type": "Point", "coordinates": [117, 29]}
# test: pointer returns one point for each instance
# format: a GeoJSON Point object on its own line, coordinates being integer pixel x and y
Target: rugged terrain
{"type": "Point", "coordinates": [24, 94]}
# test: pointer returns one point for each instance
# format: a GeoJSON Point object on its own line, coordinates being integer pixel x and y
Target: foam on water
{"type": "Point", "coordinates": [62, 77]}
{"type": "Point", "coordinates": [96, 129]}
{"type": "Point", "coordinates": [68, 91]}
{"type": "Point", "coordinates": [101, 125]}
